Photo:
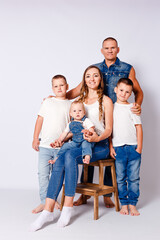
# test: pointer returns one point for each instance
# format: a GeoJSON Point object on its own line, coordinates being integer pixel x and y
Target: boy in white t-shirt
{"type": "Point", "coordinates": [78, 125]}
{"type": "Point", "coordinates": [51, 121]}
{"type": "Point", "coordinates": [126, 148]}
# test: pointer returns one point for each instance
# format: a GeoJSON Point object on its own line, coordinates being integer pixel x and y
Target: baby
{"type": "Point", "coordinates": [78, 126]}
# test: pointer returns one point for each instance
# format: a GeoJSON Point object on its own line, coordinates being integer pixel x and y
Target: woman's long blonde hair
{"type": "Point", "coordinates": [84, 90]}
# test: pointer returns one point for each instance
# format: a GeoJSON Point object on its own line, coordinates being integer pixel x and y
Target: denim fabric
{"type": "Point", "coordinates": [86, 147]}
{"type": "Point", "coordinates": [68, 163]}
{"type": "Point", "coordinates": [76, 128]}
{"type": "Point", "coordinates": [45, 169]}
{"type": "Point", "coordinates": [112, 74]}
{"type": "Point", "coordinates": [128, 162]}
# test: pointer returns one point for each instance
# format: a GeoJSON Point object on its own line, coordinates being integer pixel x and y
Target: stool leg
{"type": "Point", "coordinates": [62, 198]}
{"type": "Point", "coordinates": [114, 181]}
{"type": "Point", "coordinates": [95, 207]}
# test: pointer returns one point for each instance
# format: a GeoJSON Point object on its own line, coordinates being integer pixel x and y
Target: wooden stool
{"type": "Point", "coordinates": [96, 190]}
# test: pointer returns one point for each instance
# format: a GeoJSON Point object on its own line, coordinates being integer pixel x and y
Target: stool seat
{"type": "Point", "coordinates": [96, 190]}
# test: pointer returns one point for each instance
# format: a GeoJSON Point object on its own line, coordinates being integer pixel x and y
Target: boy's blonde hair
{"type": "Point", "coordinates": [57, 77]}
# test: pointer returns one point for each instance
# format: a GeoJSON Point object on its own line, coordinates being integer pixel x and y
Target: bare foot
{"type": "Point", "coordinates": [133, 210]}
{"type": "Point", "coordinates": [57, 205]}
{"type": "Point", "coordinates": [87, 159]}
{"type": "Point", "coordinates": [38, 209]}
{"type": "Point", "coordinates": [108, 202]}
{"type": "Point", "coordinates": [80, 201]}
{"type": "Point", "coordinates": [124, 210]}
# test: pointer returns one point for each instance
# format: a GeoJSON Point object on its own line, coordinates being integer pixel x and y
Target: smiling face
{"type": "Point", "coordinates": [60, 88]}
{"type": "Point", "coordinates": [77, 111]}
{"type": "Point", "coordinates": [110, 50]}
{"type": "Point", "coordinates": [92, 78]}
{"type": "Point", "coordinates": [123, 92]}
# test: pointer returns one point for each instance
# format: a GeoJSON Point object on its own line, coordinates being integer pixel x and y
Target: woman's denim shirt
{"type": "Point", "coordinates": [112, 74]}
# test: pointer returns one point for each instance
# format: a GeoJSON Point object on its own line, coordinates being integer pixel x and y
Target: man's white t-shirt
{"type": "Point", "coordinates": [124, 121]}
{"type": "Point", "coordinates": [86, 124]}
{"type": "Point", "coordinates": [55, 113]}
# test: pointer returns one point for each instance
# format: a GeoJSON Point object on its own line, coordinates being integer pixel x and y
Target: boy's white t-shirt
{"type": "Point", "coordinates": [55, 113]}
{"type": "Point", "coordinates": [124, 121]}
{"type": "Point", "coordinates": [86, 124]}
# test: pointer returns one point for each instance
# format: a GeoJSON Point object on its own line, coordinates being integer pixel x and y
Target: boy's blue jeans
{"type": "Point", "coordinates": [45, 169]}
{"type": "Point", "coordinates": [127, 163]}
{"type": "Point", "coordinates": [85, 145]}
{"type": "Point", "coordinates": [67, 164]}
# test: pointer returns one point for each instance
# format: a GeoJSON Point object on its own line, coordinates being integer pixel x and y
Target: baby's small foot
{"type": "Point", "coordinates": [65, 216]}
{"type": "Point", "coordinates": [45, 217]}
{"type": "Point", "coordinates": [87, 159]}
{"type": "Point", "coordinates": [124, 210]}
{"type": "Point", "coordinates": [38, 209]}
{"type": "Point", "coordinates": [133, 210]}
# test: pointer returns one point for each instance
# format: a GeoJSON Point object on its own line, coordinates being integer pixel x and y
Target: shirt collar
{"type": "Point", "coordinates": [117, 63]}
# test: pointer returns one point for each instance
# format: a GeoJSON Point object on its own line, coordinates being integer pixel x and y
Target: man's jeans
{"type": "Point", "coordinates": [85, 145]}
{"type": "Point", "coordinates": [67, 164]}
{"type": "Point", "coordinates": [45, 169]}
{"type": "Point", "coordinates": [128, 162]}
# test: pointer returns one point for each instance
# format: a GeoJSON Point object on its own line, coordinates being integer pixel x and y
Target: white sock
{"type": "Point", "coordinates": [45, 217]}
{"type": "Point", "coordinates": [65, 216]}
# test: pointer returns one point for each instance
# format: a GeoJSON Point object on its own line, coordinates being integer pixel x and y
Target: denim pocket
{"type": "Point", "coordinates": [134, 147]}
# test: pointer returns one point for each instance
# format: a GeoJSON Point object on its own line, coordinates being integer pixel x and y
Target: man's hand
{"type": "Point", "coordinates": [136, 109]}
{"type": "Point", "coordinates": [35, 144]}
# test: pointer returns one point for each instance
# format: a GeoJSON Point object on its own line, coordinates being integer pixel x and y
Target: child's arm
{"type": "Point", "coordinates": [139, 133]}
{"type": "Point", "coordinates": [58, 142]}
{"type": "Point", "coordinates": [111, 149]}
{"type": "Point", "coordinates": [37, 129]}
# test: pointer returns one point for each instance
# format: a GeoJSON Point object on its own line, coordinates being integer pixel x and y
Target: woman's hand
{"type": "Point", "coordinates": [91, 138]}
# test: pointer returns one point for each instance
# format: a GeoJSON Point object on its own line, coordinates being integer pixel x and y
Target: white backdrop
{"type": "Point", "coordinates": [41, 38]}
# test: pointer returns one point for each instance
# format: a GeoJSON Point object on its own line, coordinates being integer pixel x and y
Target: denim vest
{"type": "Point", "coordinates": [76, 128]}
{"type": "Point", "coordinates": [112, 74]}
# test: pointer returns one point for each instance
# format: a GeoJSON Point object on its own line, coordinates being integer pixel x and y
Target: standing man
{"type": "Point", "coordinates": [112, 69]}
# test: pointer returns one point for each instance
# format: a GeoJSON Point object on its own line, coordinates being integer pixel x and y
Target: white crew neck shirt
{"type": "Point", "coordinates": [124, 121]}
{"type": "Point", "coordinates": [55, 113]}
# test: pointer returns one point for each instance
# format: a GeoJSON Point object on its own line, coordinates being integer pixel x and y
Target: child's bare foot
{"type": "Point", "coordinates": [133, 210]}
{"type": "Point", "coordinates": [38, 209]}
{"type": "Point", "coordinates": [57, 205]}
{"type": "Point", "coordinates": [108, 202]}
{"type": "Point", "coordinates": [80, 201]}
{"type": "Point", "coordinates": [87, 159]}
{"type": "Point", "coordinates": [124, 210]}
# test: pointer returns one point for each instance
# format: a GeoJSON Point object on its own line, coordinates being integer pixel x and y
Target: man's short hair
{"type": "Point", "coordinates": [110, 38]}
{"type": "Point", "coordinates": [59, 76]}
{"type": "Point", "coordinates": [126, 81]}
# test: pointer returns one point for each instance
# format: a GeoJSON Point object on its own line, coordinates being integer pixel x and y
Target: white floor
{"type": "Point", "coordinates": [16, 216]}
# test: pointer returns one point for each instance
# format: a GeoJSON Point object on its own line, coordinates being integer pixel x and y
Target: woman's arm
{"type": "Point", "coordinates": [108, 111]}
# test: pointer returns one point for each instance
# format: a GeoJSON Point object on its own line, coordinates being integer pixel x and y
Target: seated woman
{"type": "Point", "coordinates": [99, 109]}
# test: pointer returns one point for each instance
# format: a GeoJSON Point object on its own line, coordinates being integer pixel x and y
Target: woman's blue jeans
{"type": "Point", "coordinates": [67, 165]}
